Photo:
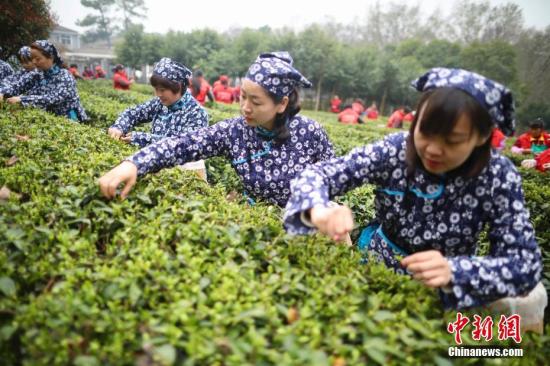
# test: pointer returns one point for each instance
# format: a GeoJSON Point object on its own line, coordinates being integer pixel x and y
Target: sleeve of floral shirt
{"type": "Point", "coordinates": [325, 149]}
{"type": "Point", "coordinates": [319, 182]}
{"type": "Point", "coordinates": [194, 119]}
{"type": "Point", "coordinates": [17, 86]}
{"type": "Point", "coordinates": [65, 88]}
{"type": "Point", "coordinates": [513, 266]}
{"type": "Point", "coordinates": [133, 116]}
{"type": "Point", "coordinates": [207, 142]}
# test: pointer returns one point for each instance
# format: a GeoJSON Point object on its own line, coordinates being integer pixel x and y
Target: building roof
{"type": "Point", "coordinates": [60, 28]}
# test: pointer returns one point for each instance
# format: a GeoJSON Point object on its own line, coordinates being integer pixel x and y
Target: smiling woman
{"type": "Point", "coordinates": [53, 88]}
{"type": "Point", "coordinates": [437, 188]}
{"type": "Point", "coordinates": [268, 145]}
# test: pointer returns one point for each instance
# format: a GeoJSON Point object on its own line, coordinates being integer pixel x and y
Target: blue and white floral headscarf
{"type": "Point", "coordinates": [25, 53]}
{"type": "Point", "coordinates": [171, 70]}
{"type": "Point", "coordinates": [50, 49]}
{"type": "Point", "coordinates": [494, 97]}
{"type": "Point", "coordinates": [275, 73]}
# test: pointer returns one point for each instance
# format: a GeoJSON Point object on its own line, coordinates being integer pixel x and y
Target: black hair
{"type": "Point", "coordinates": [74, 65]}
{"type": "Point", "coordinates": [440, 116]}
{"type": "Point", "coordinates": [537, 123]}
{"type": "Point", "coordinates": [175, 87]}
{"type": "Point", "coordinates": [281, 119]}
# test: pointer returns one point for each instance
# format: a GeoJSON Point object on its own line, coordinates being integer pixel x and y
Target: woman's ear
{"type": "Point", "coordinates": [281, 107]}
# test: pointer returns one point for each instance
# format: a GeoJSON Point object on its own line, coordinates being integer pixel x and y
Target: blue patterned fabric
{"type": "Point", "coordinates": [186, 115]}
{"type": "Point", "coordinates": [5, 85]}
{"type": "Point", "coordinates": [424, 211]}
{"type": "Point", "coordinates": [494, 97]}
{"type": "Point", "coordinates": [51, 50]}
{"type": "Point", "coordinates": [25, 53]}
{"type": "Point", "coordinates": [275, 73]}
{"type": "Point", "coordinates": [5, 70]}
{"type": "Point", "coordinates": [171, 70]}
{"type": "Point", "coordinates": [265, 168]}
{"type": "Point", "coordinates": [53, 90]}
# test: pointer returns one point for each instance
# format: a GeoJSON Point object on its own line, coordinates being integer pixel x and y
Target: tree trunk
{"type": "Point", "coordinates": [383, 101]}
{"type": "Point", "coordinates": [318, 94]}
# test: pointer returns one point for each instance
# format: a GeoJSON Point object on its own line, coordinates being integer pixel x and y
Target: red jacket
{"type": "Point", "coordinates": [200, 96]}
{"type": "Point", "coordinates": [497, 139]}
{"type": "Point", "coordinates": [223, 94]}
{"type": "Point", "coordinates": [358, 107]}
{"type": "Point", "coordinates": [525, 141]}
{"type": "Point", "coordinates": [237, 93]}
{"type": "Point", "coordinates": [543, 159]}
{"type": "Point", "coordinates": [121, 81]}
{"type": "Point", "coordinates": [335, 105]}
{"type": "Point", "coordinates": [396, 119]}
{"type": "Point", "coordinates": [409, 117]}
{"type": "Point", "coordinates": [88, 74]}
{"type": "Point", "coordinates": [348, 116]}
{"type": "Point", "coordinates": [372, 113]}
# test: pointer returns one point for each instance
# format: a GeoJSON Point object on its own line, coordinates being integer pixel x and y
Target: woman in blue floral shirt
{"type": "Point", "coordinates": [27, 66]}
{"type": "Point", "coordinates": [173, 112]}
{"type": "Point", "coordinates": [267, 146]}
{"type": "Point", "coordinates": [438, 187]}
{"type": "Point", "coordinates": [5, 68]}
{"type": "Point", "coordinates": [52, 89]}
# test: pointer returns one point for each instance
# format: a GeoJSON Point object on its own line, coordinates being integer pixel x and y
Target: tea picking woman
{"type": "Point", "coordinates": [53, 89]}
{"type": "Point", "coordinates": [438, 186]}
{"type": "Point", "coordinates": [268, 145]}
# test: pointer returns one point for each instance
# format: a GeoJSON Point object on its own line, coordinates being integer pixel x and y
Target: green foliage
{"type": "Point", "coordinates": [23, 22]}
{"type": "Point", "coordinates": [496, 60]}
{"type": "Point", "coordinates": [101, 24]}
{"type": "Point", "coordinates": [184, 273]}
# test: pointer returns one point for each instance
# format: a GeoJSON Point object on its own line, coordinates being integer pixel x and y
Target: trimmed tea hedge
{"type": "Point", "coordinates": [187, 273]}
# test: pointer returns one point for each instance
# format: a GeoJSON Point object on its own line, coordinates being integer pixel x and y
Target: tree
{"type": "Point", "coordinates": [102, 25]}
{"type": "Point", "coordinates": [315, 57]}
{"type": "Point", "coordinates": [439, 53]}
{"type": "Point", "coordinates": [398, 23]}
{"type": "Point", "coordinates": [495, 60]}
{"type": "Point", "coordinates": [22, 22]}
{"type": "Point", "coordinates": [131, 50]}
{"type": "Point", "coordinates": [472, 21]}
{"type": "Point", "coordinates": [131, 9]}
{"type": "Point", "coordinates": [533, 49]}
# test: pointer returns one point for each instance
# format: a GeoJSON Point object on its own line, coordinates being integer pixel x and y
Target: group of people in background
{"type": "Point", "coordinates": [535, 141]}
{"type": "Point", "coordinates": [88, 73]}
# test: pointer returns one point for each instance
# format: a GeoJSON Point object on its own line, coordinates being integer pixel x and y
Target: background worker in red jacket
{"type": "Point", "coordinates": [498, 139]}
{"type": "Point", "coordinates": [200, 88]}
{"type": "Point", "coordinates": [335, 103]}
{"type": "Point", "coordinates": [396, 118]}
{"type": "Point", "coordinates": [73, 69]}
{"type": "Point", "coordinates": [87, 73]}
{"type": "Point", "coordinates": [541, 162]}
{"type": "Point", "coordinates": [99, 72]}
{"type": "Point", "coordinates": [120, 78]}
{"type": "Point", "coordinates": [358, 106]}
{"type": "Point", "coordinates": [535, 141]}
{"type": "Point", "coordinates": [372, 111]}
{"type": "Point", "coordinates": [409, 116]}
{"type": "Point", "coordinates": [223, 93]}
{"type": "Point", "coordinates": [349, 116]}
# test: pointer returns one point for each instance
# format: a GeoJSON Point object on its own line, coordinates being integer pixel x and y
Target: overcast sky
{"type": "Point", "coordinates": [163, 15]}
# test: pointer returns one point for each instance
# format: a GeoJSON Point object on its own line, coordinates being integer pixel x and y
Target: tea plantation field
{"type": "Point", "coordinates": [187, 273]}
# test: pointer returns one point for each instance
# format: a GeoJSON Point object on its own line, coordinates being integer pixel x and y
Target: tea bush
{"type": "Point", "coordinates": [186, 273]}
